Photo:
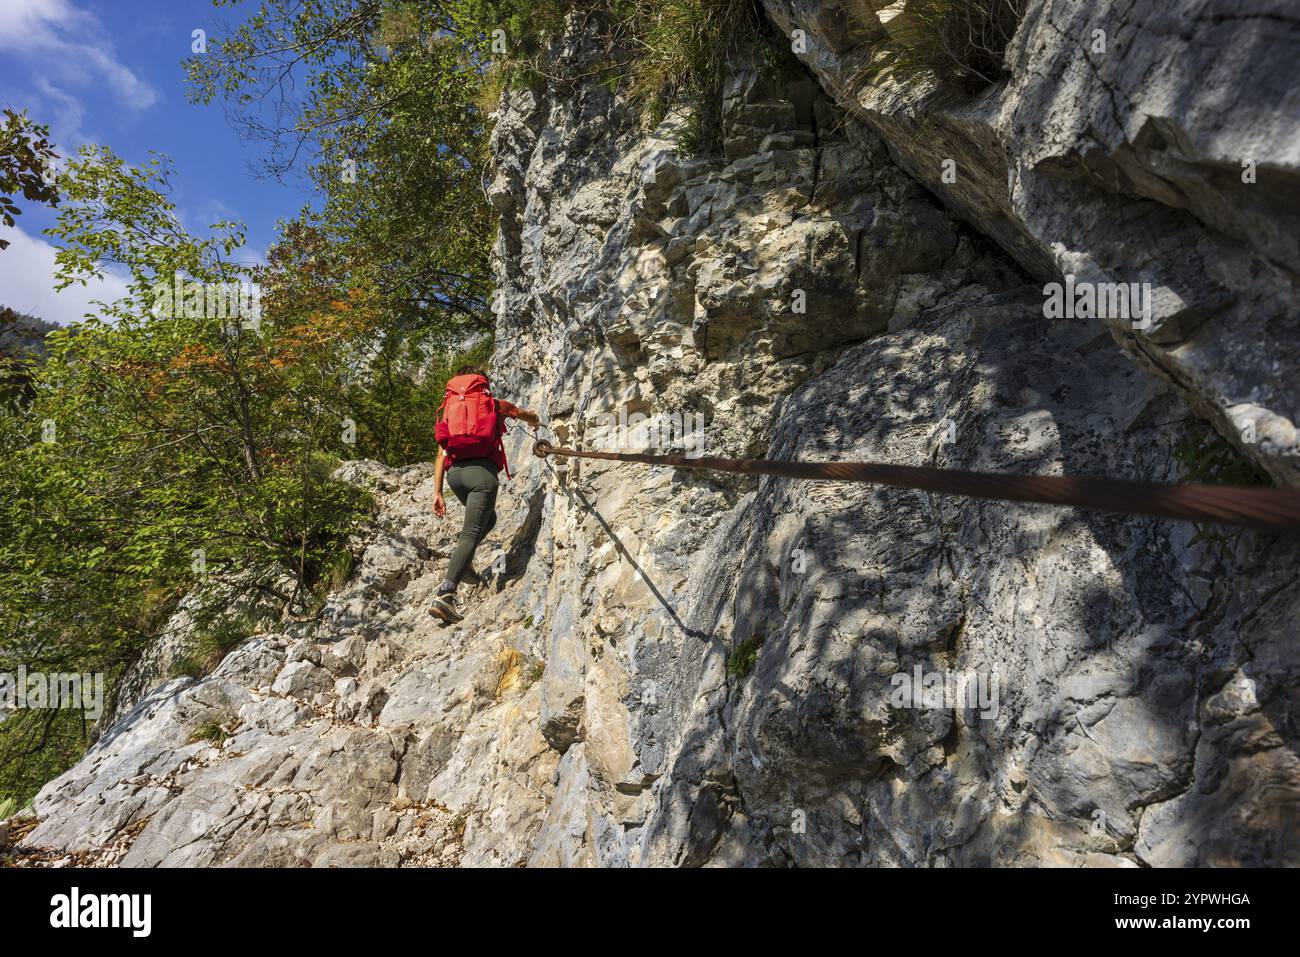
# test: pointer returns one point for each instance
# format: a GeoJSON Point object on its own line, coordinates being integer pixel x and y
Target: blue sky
{"type": "Point", "coordinates": [109, 71]}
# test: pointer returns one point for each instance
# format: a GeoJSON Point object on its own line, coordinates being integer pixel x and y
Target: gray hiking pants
{"type": "Point", "coordinates": [474, 483]}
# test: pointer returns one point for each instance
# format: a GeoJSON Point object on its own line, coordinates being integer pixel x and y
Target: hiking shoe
{"type": "Point", "coordinates": [444, 607]}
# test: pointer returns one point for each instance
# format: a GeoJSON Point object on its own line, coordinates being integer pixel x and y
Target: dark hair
{"type": "Point", "coordinates": [473, 370]}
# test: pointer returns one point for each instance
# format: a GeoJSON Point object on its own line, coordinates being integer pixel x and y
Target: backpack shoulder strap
{"type": "Point", "coordinates": [501, 445]}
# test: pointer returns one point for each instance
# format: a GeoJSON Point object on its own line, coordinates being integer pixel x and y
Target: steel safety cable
{"type": "Point", "coordinates": [1266, 508]}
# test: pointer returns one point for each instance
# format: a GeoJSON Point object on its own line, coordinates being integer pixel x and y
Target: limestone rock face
{"type": "Point", "coordinates": [1148, 142]}
{"type": "Point", "coordinates": [221, 606]}
{"type": "Point", "coordinates": [678, 668]}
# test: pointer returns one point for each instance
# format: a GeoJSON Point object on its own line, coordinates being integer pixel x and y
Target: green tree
{"type": "Point", "coordinates": [26, 166]}
{"type": "Point", "coordinates": [376, 103]}
{"type": "Point", "coordinates": [167, 442]}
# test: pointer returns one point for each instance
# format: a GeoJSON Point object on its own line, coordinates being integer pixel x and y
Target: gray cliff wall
{"type": "Point", "coordinates": [1115, 152]}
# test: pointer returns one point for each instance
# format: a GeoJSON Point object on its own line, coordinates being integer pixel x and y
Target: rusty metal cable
{"type": "Point", "coordinates": [1267, 508]}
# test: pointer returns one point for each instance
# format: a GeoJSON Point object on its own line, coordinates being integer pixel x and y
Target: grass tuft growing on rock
{"type": "Point", "coordinates": [684, 50]}
{"type": "Point", "coordinates": [214, 732]}
{"type": "Point", "coordinates": [961, 43]}
{"type": "Point", "coordinates": [534, 674]}
{"type": "Point", "coordinates": [744, 657]}
{"type": "Point", "coordinates": [334, 575]}
{"type": "Point", "coordinates": [660, 53]}
{"type": "Point", "coordinates": [212, 641]}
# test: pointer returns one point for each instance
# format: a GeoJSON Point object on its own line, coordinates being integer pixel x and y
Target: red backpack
{"type": "Point", "coordinates": [471, 427]}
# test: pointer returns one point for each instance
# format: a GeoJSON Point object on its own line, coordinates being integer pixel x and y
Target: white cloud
{"type": "Point", "coordinates": [201, 217]}
{"type": "Point", "coordinates": [71, 46]}
{"type": "Point", "coordinates": [27, 282]}
{"type": "Point", "coordinates": [64, 113]}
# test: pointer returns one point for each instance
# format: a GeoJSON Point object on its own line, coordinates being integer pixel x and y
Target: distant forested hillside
{"type": "Point", "coordinates": [22, 335]}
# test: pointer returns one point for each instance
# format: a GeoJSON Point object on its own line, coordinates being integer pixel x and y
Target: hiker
{"type": "Point", "coordinates": [470, 451]}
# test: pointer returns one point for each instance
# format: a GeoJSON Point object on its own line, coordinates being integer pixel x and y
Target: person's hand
{"type": "Point", "coordinates": [439, 505]}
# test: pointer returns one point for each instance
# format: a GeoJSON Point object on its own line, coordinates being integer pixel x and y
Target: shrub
{"type": "Point", "coordinates": [1205, 457]}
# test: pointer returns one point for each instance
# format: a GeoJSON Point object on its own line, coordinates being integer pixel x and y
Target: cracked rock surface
{"type": "Point", "coordinates": [1116, 151]}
